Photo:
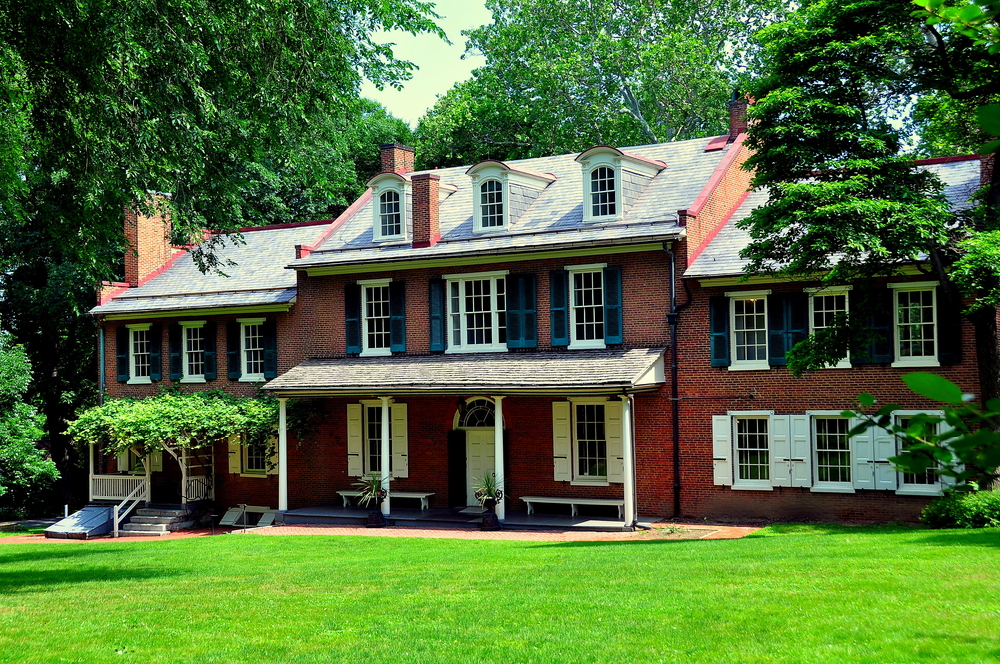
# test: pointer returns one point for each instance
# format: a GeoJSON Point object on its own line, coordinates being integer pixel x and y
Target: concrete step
{"type": "Point", "coordinates": [142, 533]}
{"type": "Point", "coordinates": [165, 520]}
{"type": "Point", "coordinates": [158, 527]}
{"type": "Point", "coordinates": [162, 511]}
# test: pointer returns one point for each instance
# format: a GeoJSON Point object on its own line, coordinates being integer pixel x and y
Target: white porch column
{"type": "Point", "coordinates": [628, 448]}
{"type": "Point", "coordinates": [498, 454]}
{"type": "Point", "coordinates": [90, 474]}
{"type": "Point", "coordinates": [282, 454]}
{"type": "Point", "coordinates": [149, 479]}
{"type": "Point", "coordinates": [386, 456]}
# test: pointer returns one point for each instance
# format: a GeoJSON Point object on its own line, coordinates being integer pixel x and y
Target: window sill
{"type": "Point", "coordinates": [252, 378]}
{"type": "Point", "coordinates": [262, 474]}
{"type": "Point", "coordinates": [919, 491]}
{"type": "Point", "coordinates": [589, 483]}
{"type": "Point", "coordinates": [842, 365]}
{"type": "Point", "coordinates": [752, 487]}
{"type": "Point", "coordinates": [142, 380]}
{"type": "Point", "coordinates": [749, 366]}
{"type": "Point", "coordinates": [193, 379]}
{"type": "Point", "coordinates": [376, 352]}
{"type": "Point", "coordinates": [832, 489]}
{"type": "Point", "coordinates": [485, 230]}
{"type": "Point", "coordinates": [587, 345]}
{"type": "Point", "coordinates": [476, 349]}
{"type": "Point", "coordinates": [395, 238]}
{"type": "Point", "coordinates": [919, 362]}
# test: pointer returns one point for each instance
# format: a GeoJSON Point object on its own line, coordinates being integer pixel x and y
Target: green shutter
{"type": "Point", "coordinates": [878, 307]}
{"type": "Point", "coordinates": [718, 329]}
{"type": "Point", "coordinates": [558, 302]}
{"type": "Point", "coordinates": [155, 353]}
{"type": "Point", "coordinates": [438, 334]}
{"type": "Point", "coordinates": [352, 315]}
{"type": "Point", "coordinates": [613, 334]}
{"type": "Point", "coordinates": [122, 350]}
{"type": "Point", "coordinates": [233, 345]}
{"type": "Point", "coordinates": [211, 354]}
{"type": "Point", "coordinates": [397, 316]}
{"type": "Point", "coordinates": [787, 325]}
{"type": "Point", "coordinates": [176, 341]}
{"type": "Point", "coordinates": [522, 325]}
{"type": "Point", "coordinates": [270, 331]}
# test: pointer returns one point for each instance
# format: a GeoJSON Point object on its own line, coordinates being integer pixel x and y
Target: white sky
{"type": "Point", "coordinates": [440, 65]}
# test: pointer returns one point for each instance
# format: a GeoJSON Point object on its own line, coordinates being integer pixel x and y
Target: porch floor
{"type": "Point", "coordinates": [451, 517]}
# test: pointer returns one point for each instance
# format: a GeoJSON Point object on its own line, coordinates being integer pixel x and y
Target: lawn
{"type": "Point", "coordinates": [787, 594]}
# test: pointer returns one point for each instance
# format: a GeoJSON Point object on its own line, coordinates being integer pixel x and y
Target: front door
{"type": "Point", "coordinates": [480, 459]}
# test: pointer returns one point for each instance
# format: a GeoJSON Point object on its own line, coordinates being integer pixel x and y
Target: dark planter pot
{"type": "Point", "coordinates": [490, 520]}
{"type": "Point", "coordinates": [376, 519]}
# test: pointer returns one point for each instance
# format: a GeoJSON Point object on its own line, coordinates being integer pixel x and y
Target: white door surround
{"type": "Point", "coordinates": [479, 458]}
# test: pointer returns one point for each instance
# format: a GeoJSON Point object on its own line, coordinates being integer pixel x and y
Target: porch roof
{"type": "Point", "coordinates": [559, 372]}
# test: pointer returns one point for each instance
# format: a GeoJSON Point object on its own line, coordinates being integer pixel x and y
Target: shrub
{"type": "Point", "coordinates": [977, 509]}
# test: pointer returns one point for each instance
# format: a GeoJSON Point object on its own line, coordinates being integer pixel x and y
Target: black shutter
{"type": "Point", "coordinates": [155, 352]}
{"type": "Point", "coordinates": [787, 325]}
{"type": "Point", "coordinates": [438, 334]}
{"type": "Point", "coordinates": [270, 330]}
{"type": "Point", "coordinates": [456, 468]}
{"type": "Point", "coordinates": [352, 314]}
{"type": "Point", "coordinates": [233, 345]}
{"type": "Point", "coordinates": [949, 329]}
{"type": "Point", "coordinates": [558, 301]}
{"type": "Point", "coordinates": [397, 316]}
{"type": "Point", "coordinates": [718, 328]}
{"type": "Point", "coordinates": [613, 305]}
{"type": "Point", "coordinates": [211, 355]}
{"type": "Point", "coordinates": [121, 345]}
{"type": "Point", "coordinates": [883, 348]}
{"type": "Point", "coordinates": [176, 341]}
{"type": "Point", "coordinates": [522, 316]}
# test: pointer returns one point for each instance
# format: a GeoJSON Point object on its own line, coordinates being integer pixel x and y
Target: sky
{"type": "Point", "coordinates": [441, 65]}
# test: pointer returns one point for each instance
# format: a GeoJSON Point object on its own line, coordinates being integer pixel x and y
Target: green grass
{"type": "Point", "coordinates": [21, 531]}
{"type": "Point", "coordinates": [787, 594]}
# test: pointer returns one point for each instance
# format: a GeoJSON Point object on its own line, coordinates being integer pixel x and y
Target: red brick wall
{"type": "Point", "coordinates": [148, 238]}
{"type": "Point", "coordinates": [704, 221]}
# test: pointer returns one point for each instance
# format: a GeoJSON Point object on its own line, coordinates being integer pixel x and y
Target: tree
{"type": "Point", "coordinates": [564, 76]}
{"type": "Point", "coordinates": [828, 129]}
{"type": "Point", "coordinates": [25, 472]}
{"type": "Point", "coordinates": [238, 110]}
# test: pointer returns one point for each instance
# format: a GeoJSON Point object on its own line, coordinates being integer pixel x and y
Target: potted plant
{"type": "Point", "coordinates": [372, 492]}
{"type": "Point", "coordinates": [488, 494]}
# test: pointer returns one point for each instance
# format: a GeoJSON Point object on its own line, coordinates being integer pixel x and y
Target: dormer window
{"type": "Point", "coordinates": [603, 197]}
{"type": "Point", "coordinates": [491, 202]}
{"type": "Point", "coordinates": [502, 193]}
{"type": "Point", "coordinates": [391, 205]}
{"type": "Point", "coordinates": [612, 181]}
{"type": "Point", "coordinates": [390, 214]}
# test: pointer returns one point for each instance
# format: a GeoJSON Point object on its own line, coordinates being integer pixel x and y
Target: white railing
{"type": "Point", "coordinates": [135, 497]}
{"type": "Point", "coordinates": [199, 487]}
{"type": "Point", "coordinates": [114, 487]}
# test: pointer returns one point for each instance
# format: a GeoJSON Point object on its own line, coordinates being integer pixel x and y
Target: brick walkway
{"type": "Point", "coordinates": [675, 531]}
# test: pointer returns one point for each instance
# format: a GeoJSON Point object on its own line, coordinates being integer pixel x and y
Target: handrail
{"type": "Point", "coordinates": [140, 489]}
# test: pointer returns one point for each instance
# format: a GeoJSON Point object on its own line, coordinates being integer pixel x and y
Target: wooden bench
{"type": "Point", "coordinates": [574, 502]}
{"type": "Point", "coordinates": [423, 496]}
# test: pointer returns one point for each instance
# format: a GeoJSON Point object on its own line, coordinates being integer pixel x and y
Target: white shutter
{"type": "Point", "coordinates": [235, 454]}
{"type": "Point", "coordinates": [780, 450]}
{"type": "Point", "coordinates": [355, 441]}
{"type": "Point", "coordinates": [156, 461]}
{"type": "Point", "coordinates": [722, 449]}
{"type": "Point", "coordinates": [272, 462]}
{"type": "Point", "coordinates": [400, 453]}
{"type": "Point", "coordinates": [801, 450]}
{"type": "Point", "coordinates": [864, 457]}
{"type": "Point", "coordinates": [615, 444]}
{"type": "Point", "coordinates": [562, 441]}
{"type": "Point", "coordinates": [886, 477]}
{"type": "Point", "coordinates": [122, 461]}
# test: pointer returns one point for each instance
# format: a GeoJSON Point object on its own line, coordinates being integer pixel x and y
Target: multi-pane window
{"type": "Point", "coordinates": [254, 455]}
{"type": "Point", "coordinates": [194, 352]}
{"type": "Point", "coordinates": [825, 310]}
{"type": "Point", "coordinates": [140, 353]}
{"type": "Point", "coordinates": [602, 192]}
{"type": "Point", "coordinates": [491, 204]}
{"type": "Point", "coordinates": [915, 323]}
{"type": "Point", "coordinates": [477, 311]}
{"type": "Point", "coordinates": [587, 303]}
{"type": "Point", "coordinates": [373, 439]}
{"type": "Point", "coordinates": [591, 441]}
{"type": "Point", "coordinates": [750, 329]}
{"type": "Point", "coordinates": [833, 449]}
{"type": "Point", "coordinates": [752, 449]}
{"type": "Point", "coordinates": [390, 214]}
{"type": "Point", "coordinates": [929, 476]}
{"type": "Point", "coordinates": [376, 317]}
{"type": "Point", "coordinates": [253, 350]}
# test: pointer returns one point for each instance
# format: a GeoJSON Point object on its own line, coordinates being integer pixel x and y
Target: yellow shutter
{"type": "Point", "coordinates": [235, 455]}
{"type": "Point", "coordinates": [562, 441]}
{"type": "Point", "coordinates": [400, 454]}
{"type": "Point", "coordinates": [355, 441]}
{"type": "Point", "coordinates": [613, 436]}
{"type": "Point", "coordinates": [272, 465]}
{"type": "Point", "coordinates": [156, 461]}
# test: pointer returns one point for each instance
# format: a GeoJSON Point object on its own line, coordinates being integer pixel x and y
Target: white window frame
{"type": "Point", "coordinates": [904, 489]}
{"type": "Point", "coordinates": [245, 460]}
{"type": "Point", "coordinates": [186, 326]}
{"type": "Point", "coordinates": [578, 479]}
{"type": "Point", "coordinates": [477, 217]}
{"type": "Point", "coordinates": [922, 360]}
{"type": "Point", "coordinates": [366, 463]}
{"type": "Point", "coordinates": [820, 486]}
{"type": "Point", "coordinates": [250, 377]}
{"type": "Point", "coordinates": [497, 346]}
{"type": "Point", "coordinates": [573, 270]}
{"type": "Point", "coordinates": [750, 485]}
{"type": "Point", "coordinates": [601, 159]}
{"type": "Point", "coordinates": [747, 365]}
{"type": "Point", "coordinates": [379, 188]}
{"type": "Point", "coordinates": [132, 378]}
{"type": "Point", "coordinates": [845, 362]}
{"type": "Point", "coordinates": [367, 351]}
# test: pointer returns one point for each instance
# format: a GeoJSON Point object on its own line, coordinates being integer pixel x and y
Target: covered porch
{"type": "Point", "coordinates": [554, 428]}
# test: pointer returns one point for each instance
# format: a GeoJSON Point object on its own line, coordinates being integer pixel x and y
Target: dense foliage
{"type": "Point", "coordinates": [975, 509]}
{"type": "Point", "coordinates": [829, 128]}
{"type": "Point", "coordinates": [564, 76]}
{"type": "Point", "coordinates": [26, 473]}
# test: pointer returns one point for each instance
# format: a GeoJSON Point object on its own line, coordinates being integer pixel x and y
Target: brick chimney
{"type": "Point", "coordinates": [426, 208]}
{"type": "Point", "coordinates": [149, 246]}
{"type": "Point", "coordinates": [396, 158]}
{"type": "Point", "coordinates": [737, 116]}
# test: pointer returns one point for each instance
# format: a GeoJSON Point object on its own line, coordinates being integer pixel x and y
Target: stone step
{"type": "Point", "coordinates": [142, 533]}
{"type": "Point", "coordinates": [166, 520]}
{"type": "Point", "coordinates": [154, 511]}
{"type": "Point", "coordinates": [157, 527]}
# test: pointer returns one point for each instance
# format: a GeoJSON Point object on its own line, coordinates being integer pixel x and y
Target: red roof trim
{"type": "Point", "coordinates": [946, 160]}
{"type": "Point", "coordinates": [297, 224]}
{"type": "Point", "coordinates": [337, 223]}
{"type": "Point", "coordinates": [715, 231]}
{"type": "Point", "coordinates": [720, 170]}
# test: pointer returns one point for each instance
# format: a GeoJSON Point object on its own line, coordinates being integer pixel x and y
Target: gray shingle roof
{"type": "Point", "coordinates": [461, 373]}
{"type": "Point", "coordinates": [555, 218]}
{"type": "Point", "coordinates": [258, 276]}
{"type": "Point", "coordinates": [722, 256]}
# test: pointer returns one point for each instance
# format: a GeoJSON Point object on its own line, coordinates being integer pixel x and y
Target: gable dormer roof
{"type": "Point", "coordinates": [627, 160]}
